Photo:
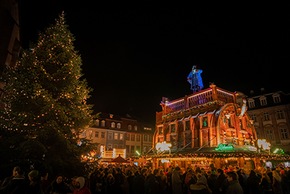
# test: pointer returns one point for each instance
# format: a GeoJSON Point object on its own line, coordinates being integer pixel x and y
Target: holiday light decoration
{"type": "Point", "coordinates": [45, 94]}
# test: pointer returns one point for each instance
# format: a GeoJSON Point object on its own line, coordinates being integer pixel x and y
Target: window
{"type": "Point", "coordinates": [110, 135]}
{"type": "Point", "coordinates": [172, 128]}
{"type": "Point", "coordinates": [120, 146]}
{"type": "Point", "coordinates": [121, 136]}
{"type": "Point", "coordinates": [276, 98]}
{"type": "Point", "coordinates": [145, 137]}
{"type": "Point", "coordinates": [144, 149]}
{"type": "Point", "coordinates": [251, 103]}
{"type": "Point", "coordinates": [113, 124]}
{"type": "Point", "coordinates": [269, 134]}
{"type": "Point", "coordinates": [96, 134]}
{"type": "Point", "coordinates": [132, 137]}
{"type": "Point", "coordinates": [103, 135]}
{"type": "Point", "coordinates": [98, 122]}
{"type": "Point", "coordinates": [128, 136]}
{"type": "Point", "coordinates": [150, 138]}
{"type": "Point", "coordinates": [110, 147]}
{"type": "Point", "coordinates": [138, 137]}
{"type": "Point", "coordinates": [254, 117]}
{"type": "Point", "coordinates": [280, 114]}
{"type": "Point", "coordinates": [160, 131]}
{"type": "Point", "coordinates": [187, 125]}
{"type": "Point", "coordinates": [204, 122]}
{"type": "Point", "coordinates": [103, 123]}
{"type": "Point", "coordinates": [266, 116]}
{"type": "Point", "coordinates": [116, 136]}
{"type": "Point", "coordinates": [284, 133]}
{"type": "Point", "coordinates": [263, 101]}
{"type": "Point", "coordinates": [119, 125]}
{"type": "Point", "coordinates": [135, 127]}
{"type": "Point", "coordinates": [129, 127]}
{"type": "Point", "coordinates": [132, 149]}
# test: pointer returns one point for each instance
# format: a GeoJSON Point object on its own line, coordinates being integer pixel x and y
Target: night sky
{"type": "Point", "coordinates": [134, 55]}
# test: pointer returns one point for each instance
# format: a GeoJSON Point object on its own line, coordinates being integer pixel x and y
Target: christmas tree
{"type": "Point", "coordinates": [45, 106]}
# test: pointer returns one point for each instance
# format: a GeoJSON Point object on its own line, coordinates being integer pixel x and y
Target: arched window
{"type": "Point", "coordinates": [103, 123]}
{"type": "Point", "coordinates": [98, 122]}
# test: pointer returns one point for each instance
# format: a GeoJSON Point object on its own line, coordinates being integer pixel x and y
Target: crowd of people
{"type": "Point", "coordinates": [127, 179]}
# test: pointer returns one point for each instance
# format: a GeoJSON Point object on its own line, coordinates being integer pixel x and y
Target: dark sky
{"type": "Point", "coordinates": [135, 54]}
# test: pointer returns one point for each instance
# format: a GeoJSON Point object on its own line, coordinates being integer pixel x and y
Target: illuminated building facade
{"type": "Point", "coordinates": [124, 135]}
{"type": "Point", "coordinates": [270, 112]}
{"type": "Point", "coordinates": [210, 126]}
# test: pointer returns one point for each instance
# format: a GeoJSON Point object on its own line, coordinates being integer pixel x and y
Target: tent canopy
{"type": "Point", "coordinates": [120, 159]}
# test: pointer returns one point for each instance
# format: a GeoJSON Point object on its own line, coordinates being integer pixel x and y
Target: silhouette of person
{"type": "Point", "coordinates": [195, 80]}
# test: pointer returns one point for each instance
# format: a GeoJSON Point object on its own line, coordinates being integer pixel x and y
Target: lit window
{"type": "Point", "coordinates": [116, 136]}
{"type": "Point", "coordinates": [280, 114]}
{"type": "Point", "coordinates": [266, 116]}
{"type": "Point", "coordinates": [253, 117]}
{"type": "Point", "coordinates": [103, 123]}
{"type": "Point", "coordinates": [172, 128]}
{"type": "Point", "coordinates": [138, 137]}
{"type": "Point", "coordinates": [132, 137]}
{"type": "Point", "coordinates": [113, 124]}
{"type": "Point", "coordinates": [110, 135]}
{"type": "Point", "coordinates": [263, 101]}
{"type": "Point", "coordinates": [204, 122]}
{"type": "Point", "coordinates": [251, 103]}
{"type": "Point", "coordinates": [98, 122]}
{"type": "Point", "coordinates": [102, 135]}
{"type": "Point", "coordinates": [97, 134]}
{"type": "Point", "coordinates": [284, 133]}
{"type": "Point", "coordinates": [121, 136]}
{"type": "Point", "coordinates": [135, 127]}
{"type": "Point", "coordinates": [128, 136]}
{"type": "Point", "coordinates": [129, 127]}
{"type": "Point", "coordinates": [119, 125]}
{"type": "Point", "coordinates": [269, 134]}
{"type": "Point", "coordinates": [276, 98]}
{"type": "Point", "coordinates": [160, 130]}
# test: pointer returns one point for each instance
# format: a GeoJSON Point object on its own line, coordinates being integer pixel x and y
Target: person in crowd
{"type": "Point", "coordinates": [15, 184]}
{"type": "Point", "coordinates": [72, 184]}
{"type": "Point", "coordinates": [276, 185]}
{"type": "Point", "coordinates": [176, 180]}
{"type": "Point", "coordinates": [211, 178]}
{"type": "Point", "coordinates": [188, 180]}
{"type": "Point", "coordinates": [34, 185]}
{"type": "Point", "coordinates": [221, 182]}
{"type": "Point", "coordinates": [58, 186]}
{"type": "Point", "coordinates": [253, 182]}
{"type": "Point", "coordinates": [234, 186]}
{"type": "Point", "coordinates": [111, 185]}
{"type": "Point", "coordinates": [139, 181]}
{"type": "Point", "coordinates": [265, 184]}
{"type": "Point", "coordinates": [44, 182]}
{"type": "Point", "coordinates": [152, 185]}
{"type": "Point", "coordinates": [163, 181]}
{"type": "Point", "coordinates": [201, 185]}
{"type": "Point", "coordinates": [81, 187]}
